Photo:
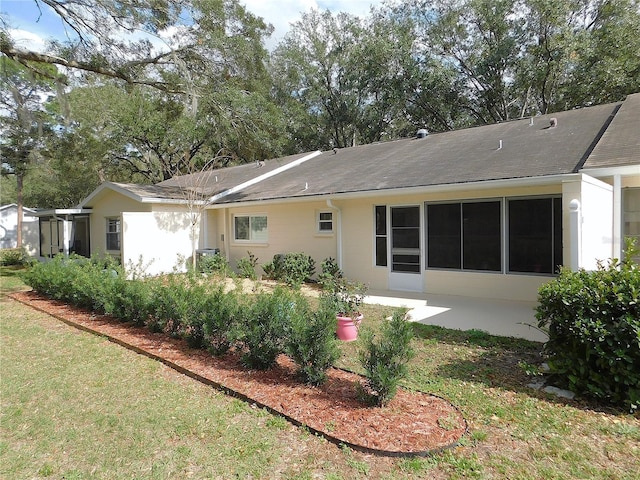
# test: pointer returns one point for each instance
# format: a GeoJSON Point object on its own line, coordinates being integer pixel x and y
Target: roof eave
{"type": "Point", "coordinates": [450, 187]}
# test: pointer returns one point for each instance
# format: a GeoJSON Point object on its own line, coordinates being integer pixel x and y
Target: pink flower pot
{"type": "Point", "coordinates": [347, 330]}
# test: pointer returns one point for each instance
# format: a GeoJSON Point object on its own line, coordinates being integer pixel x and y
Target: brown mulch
{"type": "Point", "coordinates": [414, 423]}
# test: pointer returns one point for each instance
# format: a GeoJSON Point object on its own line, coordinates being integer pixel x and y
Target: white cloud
{"type": "Point", "coordinates": [27, 40]}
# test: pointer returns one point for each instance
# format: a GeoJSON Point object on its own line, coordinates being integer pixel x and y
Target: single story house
{"type": "Point", "coordinates": [9, 228]}
{"type": "Point", "coordinates": [489, 211]}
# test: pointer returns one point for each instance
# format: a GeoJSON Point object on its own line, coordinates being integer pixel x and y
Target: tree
{"type": "Point", "coordinates": [22, 124]}
{"type": "Point", "coordinates": [158, 43]}
{"type": "Point", "coordinates": [516, 58]}
{"type": "Point", "coordinates": [321, 79]}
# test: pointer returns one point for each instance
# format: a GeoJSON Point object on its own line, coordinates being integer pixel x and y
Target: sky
{"type": "Point", "coordinates": [33, 27]}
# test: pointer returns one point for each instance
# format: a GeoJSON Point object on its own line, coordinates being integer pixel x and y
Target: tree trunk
{"type": "Point", "coordinates": [19, 182]}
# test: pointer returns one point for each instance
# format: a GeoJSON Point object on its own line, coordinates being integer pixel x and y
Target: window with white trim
{"type": "Point", "coordinates": [113, 234]}
{"type": "Point", "coordinates": [325, 222]}
{"type": "Point", "coordinates": [535, 235]}
{"type": "Point", "coordinates": [381, 235]}
{"type": "Point", "coordinates": [465, 235]}
{"type": "Point", "coordinates": [250, 228]}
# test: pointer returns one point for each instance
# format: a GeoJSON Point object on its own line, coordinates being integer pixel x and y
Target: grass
{"type": "Point", "coordinates": [77, 406]}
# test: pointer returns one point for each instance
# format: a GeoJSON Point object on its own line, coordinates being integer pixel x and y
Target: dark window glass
{"type": "Point", "coordinates": [405, 217]}
{"type": "Point", "coordinates": [325, 222]}
{"type": "Point", "coordinates": [381, 251]}
{"type": "Point", "coordinates": [535, 235]}
{"type": "Point", "coordinates": [557, 234]}
{"type": "Point", "coordinates": [406, 263]}
{"type": "Point", "coordinates": [481, 245]}
{"type": "Point", "coordinates": [381, 235]}
{"type": "Point", "coordinates": [113, 234]}
{"type": "Point", "coordinates": [443, 235]}
{"type": "Point", "coordinates": [406, 238]}
{"type": "Point", "coordinates": [381, 220]}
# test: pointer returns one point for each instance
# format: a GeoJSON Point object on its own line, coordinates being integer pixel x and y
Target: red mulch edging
{"type": "Point", "coordinates": [413, 424]}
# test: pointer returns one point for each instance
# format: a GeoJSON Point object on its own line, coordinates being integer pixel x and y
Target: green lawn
{"type": "Point", "coordinates": [74, 405]}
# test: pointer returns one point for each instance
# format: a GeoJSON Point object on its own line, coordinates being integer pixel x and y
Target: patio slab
{"type": "Point", "coordinates": [497, 317]}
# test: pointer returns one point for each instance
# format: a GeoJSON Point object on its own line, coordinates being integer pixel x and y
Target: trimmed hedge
{"type": "Point", "coordinates": [593, 322]}
{"type": "Point", "coordinates": [206, 316]}
{"type": "Point", "coordinates": [13, 256]}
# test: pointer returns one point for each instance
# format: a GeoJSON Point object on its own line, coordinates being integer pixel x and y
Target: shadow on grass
{"type": "Point", "coordinates": [11, 279]}
{"type": "Point", "coordinates": [491, 360]}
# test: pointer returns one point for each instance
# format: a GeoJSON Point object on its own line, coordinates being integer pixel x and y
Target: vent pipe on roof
{"type": "Point", "coordinates": [422, 133]}
{"type": "Point", "coordinates": [500, 145]}
{"type": "Point", "coordinates": [553, 122]}
{"type": "Point", "coordinates": [531, 121]}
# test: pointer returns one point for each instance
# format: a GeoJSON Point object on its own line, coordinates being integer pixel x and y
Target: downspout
{"type": "Point", "coordinates": [338, 232]}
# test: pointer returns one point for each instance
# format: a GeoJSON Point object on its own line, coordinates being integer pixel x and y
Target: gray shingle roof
{"type": "Point", "coordinates": [462, 156]}
{"type": "Point", "coordinates": [152, 191]}
{"type": "Point", "coordinates": [620, 144]}
{"type": "Point", "coordinates": [216, 181]}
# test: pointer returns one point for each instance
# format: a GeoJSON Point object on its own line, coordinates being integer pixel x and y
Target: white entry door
{"type": "Point", "coordinates": [405, 272]}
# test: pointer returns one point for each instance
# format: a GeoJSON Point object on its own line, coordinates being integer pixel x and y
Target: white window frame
{"type": "Point", "coordinates": [117, 221]}
{"type": "Point", "coordinates": [320, 221]}
{"type": "Point", "coordinates": [250, 239]}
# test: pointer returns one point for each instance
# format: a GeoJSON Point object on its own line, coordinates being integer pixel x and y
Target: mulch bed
{"type": "Point", "coordinates": [413, 424]}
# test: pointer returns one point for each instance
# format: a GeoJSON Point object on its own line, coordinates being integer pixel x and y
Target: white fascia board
{"type": "Point", "coordinates": [110, 186]}
{"type": "Point", "coordinates": [450, 187]}
{"type": "Point", "coordinates": [627, 170]}
{"type": "Point", "coordinates": [262, 177]}
{"type": "Point", "coordinates": [61, 211]}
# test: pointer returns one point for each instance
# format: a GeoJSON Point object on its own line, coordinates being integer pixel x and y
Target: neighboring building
{"type": "Point", "coordinates": [489, 211]}
{"type": "Point", "coordinates": [9, 228]}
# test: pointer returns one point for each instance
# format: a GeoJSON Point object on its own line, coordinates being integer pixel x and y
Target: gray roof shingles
{"type": "Point", "coordinates": [461, 156]}
{"type": "Point", "coordinates": [620, 144]}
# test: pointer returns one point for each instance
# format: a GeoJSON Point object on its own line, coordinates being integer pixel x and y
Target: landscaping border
{"type": "Point", "coordinates": [22, 298]}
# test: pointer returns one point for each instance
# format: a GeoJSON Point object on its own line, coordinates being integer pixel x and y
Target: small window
{"type": "Point", "coordinates": [325, 222]}
{"type": "Point", "coordinates": [250, 228]}
{"type": "Point", "coordinates": [381, 235]}
{"type": "Point", "coordinates": [113, 234]}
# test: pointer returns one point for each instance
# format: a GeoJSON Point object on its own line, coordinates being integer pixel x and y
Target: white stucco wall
{"type": "Point", "coordinates": [9, 230]}
{"type": "Point", "coordinates": [158, 241]}
{"type": "Point", "coordinates": [597, 222]}
{"type": "Point", "coordinates": [592, 238]}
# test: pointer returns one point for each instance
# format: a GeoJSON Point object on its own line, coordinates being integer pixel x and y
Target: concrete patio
{"type": "Point", "coordinates": [497, 317]}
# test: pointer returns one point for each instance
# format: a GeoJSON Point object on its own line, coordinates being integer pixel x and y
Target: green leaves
{"type": "Point", "coordinates": [385, 358]}
{"type": "Point", "coordinates": [594, 330]}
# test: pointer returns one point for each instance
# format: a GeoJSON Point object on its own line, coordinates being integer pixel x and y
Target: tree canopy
{"type": "Point", "coordinates": [142, 90]}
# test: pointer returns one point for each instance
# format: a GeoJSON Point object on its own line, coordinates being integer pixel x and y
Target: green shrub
{"type": "Point", "coordinates": [330, 273]}
{"type": "Point", "coordinates": [312, 344]}
{"type": "Point", "coordinates": [193, 314]}
{"type": "Point", "coordinates": [171, 297]}
{"type": "Point", "coordinates": [385, 358]}
{"type": "Point", "coordinates": [266, 324]}
{"type": "Point", "coordinates": [220, 320]}
{"type": "Point", "coordinates": [292, 268]}
{"type": "Point", "coordinates": [129, 300]}
{"type": "Point", "coordinates": [48, 278]}
{"type": "Point", "coordinates": [593, 320]}
{"type": "Point", "coordinates": [13, 256]}
{"type": "Point", "coordinates": [214, 264]}
{"type": "Point", "coordinates": [76, 280]}
{"type": "Point", "coordinates": [247, 266]}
